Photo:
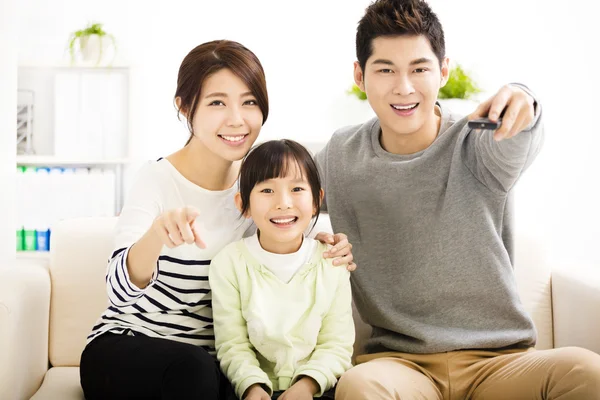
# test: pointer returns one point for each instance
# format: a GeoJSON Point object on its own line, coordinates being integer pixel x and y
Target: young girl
{"type": "Point", "coordinates": [155, 340]}
{"type": "Point", "coordinates": [282, 313]}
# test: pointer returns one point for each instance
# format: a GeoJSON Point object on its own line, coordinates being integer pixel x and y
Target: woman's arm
{"type": "Point", "coordinates": [124, 285]}
{"type": "Point", "coordinates": [171, 229]}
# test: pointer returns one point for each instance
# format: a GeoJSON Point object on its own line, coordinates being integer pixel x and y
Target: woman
{"type": "Point", "coordinates": [156, 338]}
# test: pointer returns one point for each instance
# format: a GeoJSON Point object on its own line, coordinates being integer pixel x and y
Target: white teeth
{"type": "Point", "coordinates": [404, 107]}
{"type": "Point", "coordinates": [233, 138]}
{"type": "Point", "coordinates": [283, 221]}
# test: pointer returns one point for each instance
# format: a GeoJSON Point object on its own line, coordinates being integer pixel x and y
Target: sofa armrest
{"type": "Point", "coordinates": [24, 319]}
{"type": "Point", "coordinates": [576, 306]}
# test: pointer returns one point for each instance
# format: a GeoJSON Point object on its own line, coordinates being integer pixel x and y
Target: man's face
{"type": "Point", "coordinates": [402, 79]}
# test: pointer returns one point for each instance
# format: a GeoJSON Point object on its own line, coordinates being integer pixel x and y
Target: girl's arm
{"type": "Point", "coordinates": [234, 350]}
{"type": "Point", "coordinates": [333, 353]}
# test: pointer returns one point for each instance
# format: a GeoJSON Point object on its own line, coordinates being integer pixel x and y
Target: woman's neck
{"type": "Point", "coordinates": [204, 168]}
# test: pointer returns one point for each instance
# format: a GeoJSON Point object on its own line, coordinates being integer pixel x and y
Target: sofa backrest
{"type": "Point", "coordinates": [81, 248]}
{"type": "Point", "coordinates": [78, 259]}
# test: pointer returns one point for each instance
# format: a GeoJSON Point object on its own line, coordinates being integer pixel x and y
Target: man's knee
{"type": "Point", "coordinates": [579, 366]}
{"type": "Point", "coordinates": [355, 384]}
{"type": "Point", "coordinates": [385, 380]}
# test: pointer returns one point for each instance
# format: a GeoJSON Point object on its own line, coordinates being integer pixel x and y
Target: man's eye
{"type": "Point", "coordinates": [385, 70]}
{"type": "Point", "coordinates": [420, 70]}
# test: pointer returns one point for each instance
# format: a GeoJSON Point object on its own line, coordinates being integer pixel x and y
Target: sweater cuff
{"type": "Point", "coordinates": [252, 380]}
{"type": "Point", "coordinates": [318, 376]}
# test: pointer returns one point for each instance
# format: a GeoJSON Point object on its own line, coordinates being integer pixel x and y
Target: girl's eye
{"type": "Point", "coordinates": [250, 103]}
{"type": "Point", "coordinates": [217, 103]}
{"type": "Point", "coordinates": [267, 191]}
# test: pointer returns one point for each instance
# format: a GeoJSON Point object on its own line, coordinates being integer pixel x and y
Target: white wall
{"type": "Point", "coordinates": [307, 49]}
{"type": "Point", "coordinates": [551, 47]}
{"type": "Point", "coordinates": [8, 107]}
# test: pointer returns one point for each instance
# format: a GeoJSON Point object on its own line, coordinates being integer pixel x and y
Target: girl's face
{"type": "Point", "coordinates": [282, 209]}
{"type": "Point", "coordinates": [228, 119]}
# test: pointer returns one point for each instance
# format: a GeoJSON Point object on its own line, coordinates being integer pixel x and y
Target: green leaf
{"type": "Point", "coordinates": [459, 85]}
{"type": "Point", "coordinates": [355, 91]}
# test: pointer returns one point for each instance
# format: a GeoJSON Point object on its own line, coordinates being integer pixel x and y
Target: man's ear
{"type": "Point", "coordinates": [359, 77]}
{"type": "Point", "coordinates": [178, 105]}
{"type": "Point", "coordinates": [445, 71]}
{"type": "Point", "coordinates": [238, 204]}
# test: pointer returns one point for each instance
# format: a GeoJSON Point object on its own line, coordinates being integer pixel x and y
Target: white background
{"type": "Point", "coordinates": [307, 50]}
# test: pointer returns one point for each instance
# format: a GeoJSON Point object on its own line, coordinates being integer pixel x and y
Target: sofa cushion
{"type": "Point", "coordinates": [60, 383]}
{"type": "Point", "coordinates": [81, 248]}
{"type": "Point", "coordinates": [79, 255]}
{"type": "Point", "coordinates": [533, 274]}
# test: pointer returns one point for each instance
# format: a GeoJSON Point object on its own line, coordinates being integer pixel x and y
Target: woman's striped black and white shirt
{"type": "Point", "coordinates": [176, 304]}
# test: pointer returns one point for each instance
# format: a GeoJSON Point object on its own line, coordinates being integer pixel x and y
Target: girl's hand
{"type": "Point", "coordinates": [256, 392]}
{"type": "Point", "coordinates": [341, 250]}
{"type": "Point", "coordinates": [178, 226]}
{"type": "Point", "coordinates": [304, 389]}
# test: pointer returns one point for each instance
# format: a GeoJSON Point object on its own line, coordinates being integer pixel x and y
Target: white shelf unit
{"type": "Point", "coordinates": [117, 165]}
{"type": "Point", "coordinates": [80, 118]}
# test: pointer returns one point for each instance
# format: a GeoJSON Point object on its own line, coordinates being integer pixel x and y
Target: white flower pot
{"type": "Point", "coordinates": [95, 49]}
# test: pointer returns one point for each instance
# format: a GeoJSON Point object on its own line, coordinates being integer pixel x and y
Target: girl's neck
{"type": "Point", "coordinates": [276, 247]}
{"type": "Point", "coordinates": [204, 168]}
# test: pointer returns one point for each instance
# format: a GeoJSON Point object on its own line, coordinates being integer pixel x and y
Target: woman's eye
{"type": "Point", "coordinates": [217, 103]}
{"type": "Point", "coordinates": [251, 103]}
{"type": "Point", "coordinates": [297, 189]}
{"type": "Point", "coordinates": [267, 191]}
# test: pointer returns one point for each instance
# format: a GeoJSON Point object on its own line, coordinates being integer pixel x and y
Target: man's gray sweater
{"type": "Point", "coordinates": [431, 235]}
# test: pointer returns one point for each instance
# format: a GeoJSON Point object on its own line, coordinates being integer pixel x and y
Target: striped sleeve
{"type": "Point", "coordinates": [141, 208]}
{"type": "Point", "coordinates": [121, 291]}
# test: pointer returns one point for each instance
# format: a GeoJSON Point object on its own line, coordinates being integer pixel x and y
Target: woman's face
{"type": "Point", "coordinates": [227, 119]}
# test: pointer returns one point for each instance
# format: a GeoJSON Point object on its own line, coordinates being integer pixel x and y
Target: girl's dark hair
{"type": "Point", "coordinates": [274, 159]}
{"type": "Point", "coordinates": [211, 57]}
{"type": "Point", "coordinates": [398, 18]}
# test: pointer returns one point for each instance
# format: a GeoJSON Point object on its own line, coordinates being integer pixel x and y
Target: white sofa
{"type": "Point", "coordinates": [46, 312]}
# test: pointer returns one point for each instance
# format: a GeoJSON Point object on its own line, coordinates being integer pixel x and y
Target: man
{"type": "Point", "coordinates": [426, 203]}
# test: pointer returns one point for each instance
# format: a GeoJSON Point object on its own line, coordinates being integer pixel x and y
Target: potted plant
{"type": "Point", "coordinates": [457, 94]}
{"type": "Point", "coordinates": [92, 43]}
